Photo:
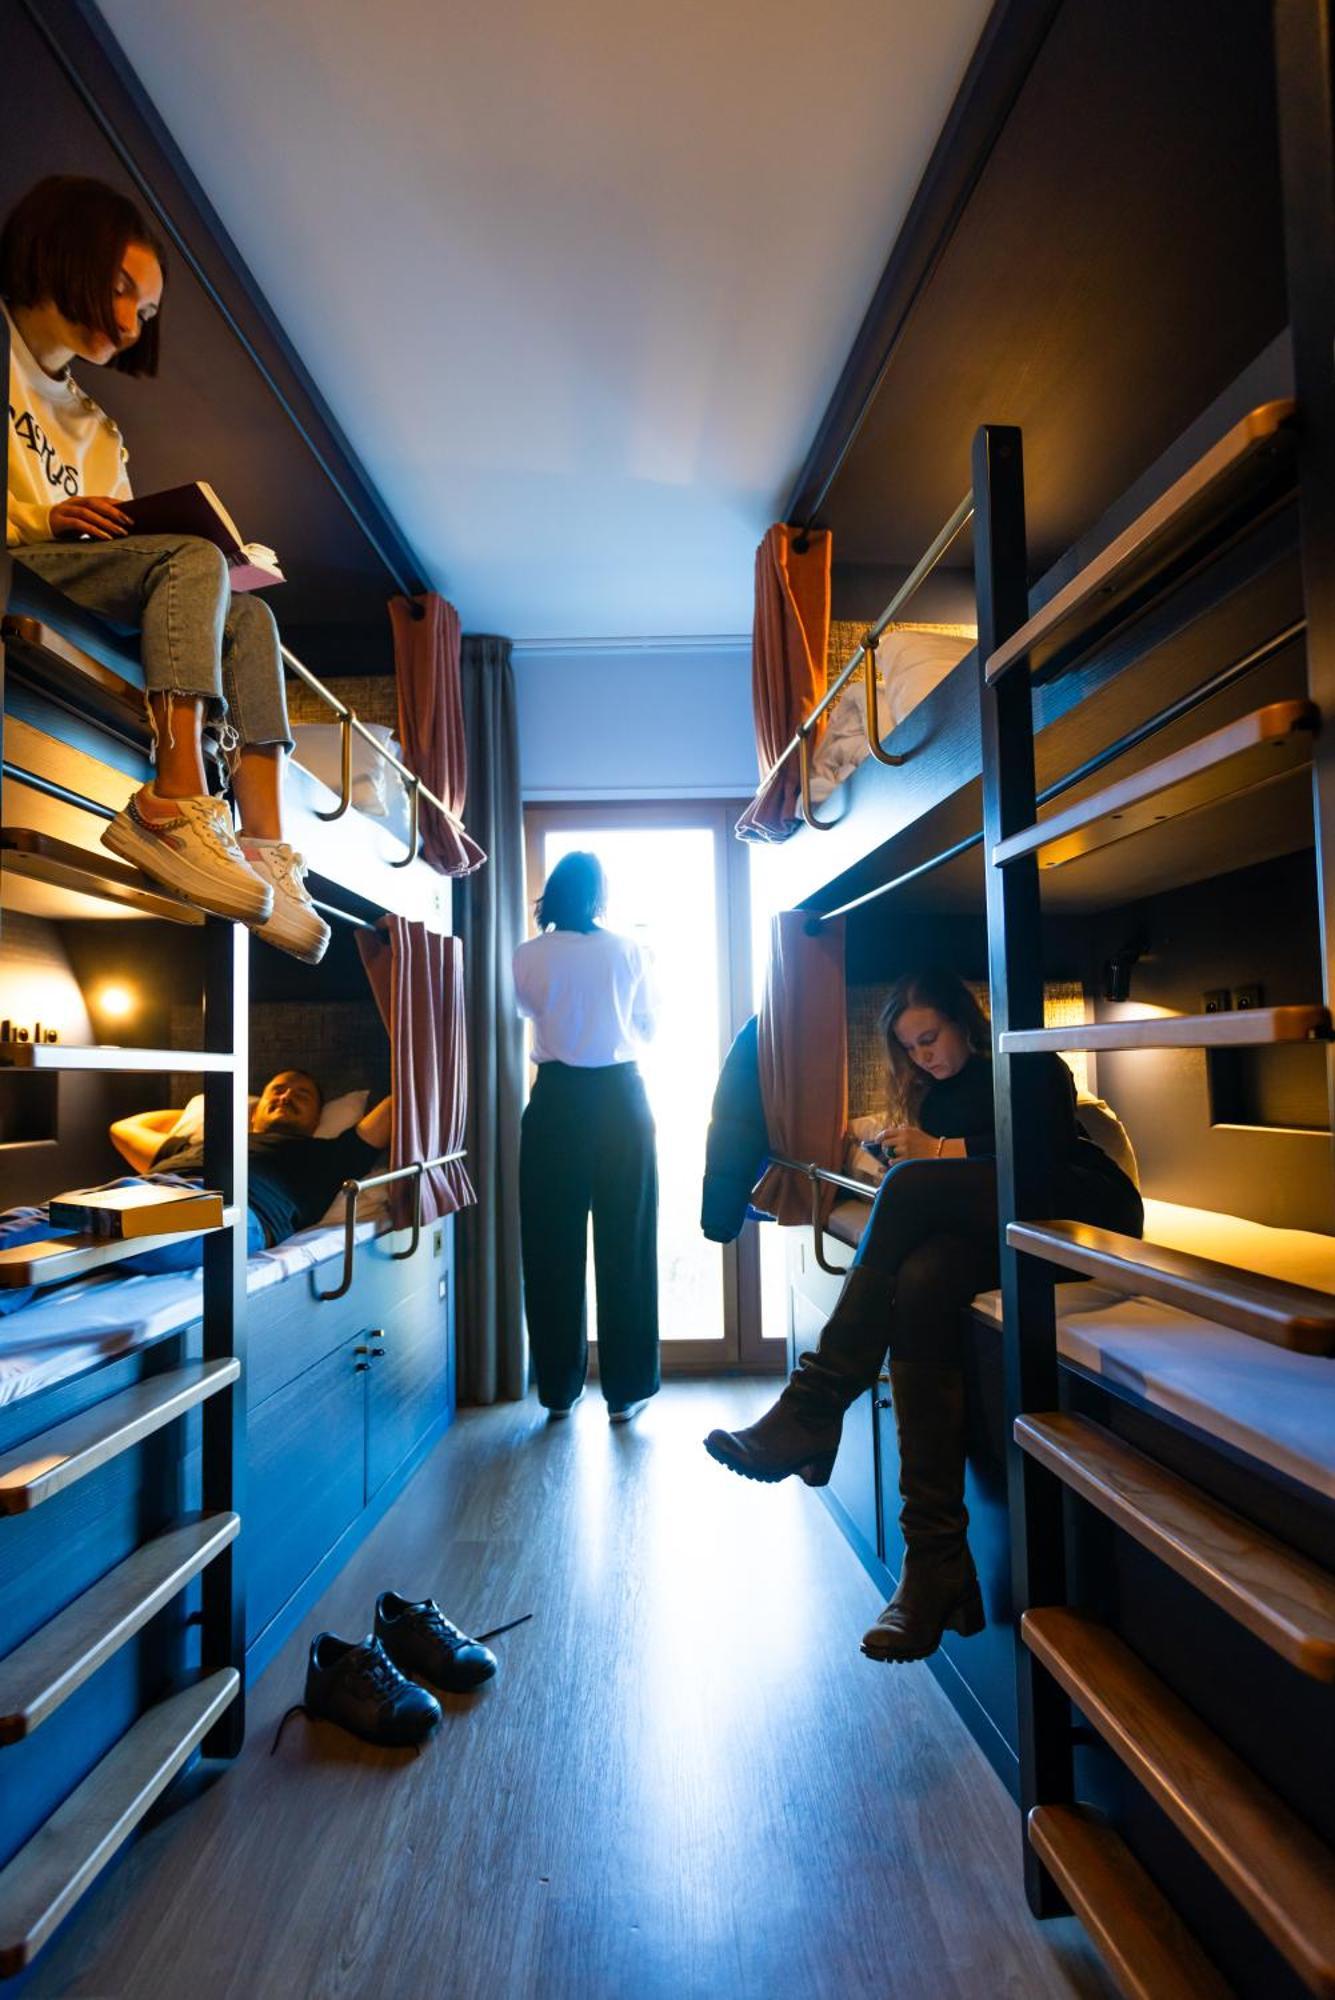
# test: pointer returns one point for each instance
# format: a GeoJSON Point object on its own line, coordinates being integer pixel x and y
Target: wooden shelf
{"type": "Point", "coordinates": [1235, 759]}
{"type": "Point", "coordinates": [1232, 484]}
{"type": "Point", "coordinates": [1263, 1854]}
{"type": "Point", "coordinates": [64, 866]}
{"type": "Point", "coordinates": [46, 1669]}
{"type": "Point", "coordinates": [1287, 1601]}
{"type": "Point", "coordinates": [46, 1464]}
{"type": "Point", "coordinates": [56, 1258]}
{"type": "Point", "coordinates": [1252, 1027]}
{"type": "Point", "coordinates": [65, 1055]}
{"type": "Point", "coordinates": [46, 1878]}
{"type": "Point", "coordinates": [1291, 1316]}
{"type": "Point", "coordinates": [1148, 1951]}
{"type": "Point", "coordinates": [55, 662]}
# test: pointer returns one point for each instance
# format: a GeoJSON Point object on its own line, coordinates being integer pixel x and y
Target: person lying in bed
{"type": "Point", "coordinates": [292, 1175]}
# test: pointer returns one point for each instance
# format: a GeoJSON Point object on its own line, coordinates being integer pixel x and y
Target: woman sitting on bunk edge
{"type": "Point", "coordinates": [930, 1245]}
{"type": "Point", "coordinates": [81, 277]}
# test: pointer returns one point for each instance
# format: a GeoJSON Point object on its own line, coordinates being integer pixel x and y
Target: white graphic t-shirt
{"type": "Point", "coordinates": [61, 443]}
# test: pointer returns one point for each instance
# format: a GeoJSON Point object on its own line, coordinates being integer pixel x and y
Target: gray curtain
{"type": "Point", "coordinates": [489, 918]}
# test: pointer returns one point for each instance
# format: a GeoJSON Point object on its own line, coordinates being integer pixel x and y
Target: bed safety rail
{"type": "Point", "coordinates": [352, 725]}
{"type": "Point", "coordinates": [824, 1177]}
{"type": "Point", "coordinates": [865, 659]}
{"type": "Point", "coordinates": [352, 1189]}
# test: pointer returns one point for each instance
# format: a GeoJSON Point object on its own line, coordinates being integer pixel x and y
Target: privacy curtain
{"type": "Point", "coordinates": [417, 978]}
{"type": "Point", "coordinates": [489, 918]}
{"type": "Point", "coordinates": [789, 639]}
{"type": "Point", "coordinates": [803, 1060]}
{"type": "Point", "coordinates": [431, 726]}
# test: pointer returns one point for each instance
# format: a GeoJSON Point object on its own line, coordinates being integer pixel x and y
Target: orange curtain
{"type": "Point", "coordinates": [431, 724]}
{"type": "Point", "coordinates": [789, 640]}
{"type": "Point", "coordinates": [803, 1057]}
{"type": "Point", "coordinates": [417, 978]}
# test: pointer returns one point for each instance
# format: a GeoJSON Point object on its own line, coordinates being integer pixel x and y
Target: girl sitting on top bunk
{"type": "Point", "coordinates": [81, 277]}
{"type": "Point", "coordinates": [930, 1245]}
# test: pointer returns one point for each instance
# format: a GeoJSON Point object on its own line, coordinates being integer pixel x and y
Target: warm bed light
{"type": "Point", "coordinates": [115, 1002]}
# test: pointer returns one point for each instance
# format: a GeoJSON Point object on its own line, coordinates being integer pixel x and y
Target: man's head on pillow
{"type": "Point", "coordinates": [289, 1102]}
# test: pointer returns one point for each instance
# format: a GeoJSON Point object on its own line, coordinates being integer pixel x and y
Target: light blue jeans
{"type": "Point", "coordinates": [197, 639]}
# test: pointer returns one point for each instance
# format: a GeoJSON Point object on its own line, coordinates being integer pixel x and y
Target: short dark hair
{"type": "Point", "coordinates": [65, 241]}
{"type": "Point", "coordinates": [575, 895]}
{"type": "Point", "coordinates": [294, 1069]}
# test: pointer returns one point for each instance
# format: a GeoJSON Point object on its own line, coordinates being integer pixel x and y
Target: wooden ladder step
{"type": "Point", "coordinates": [46, 1878]}
{"type": "Point", "coordinates": [52, 1259]}
{"type": "Point", "coordinates": [66, 1055]}
{"type": "Point", "coordinates": [56, 662]}
{"type": "Point", "coordinates": [1286, 1600]}
{"type": "Point", "coordinates": [46, 1464]}
{"type": "Point", "coordinates": [1248, 467]}
{"type": "Point", "coordinates": [65, 866]}
{"type": "Point", "coordinates": [46, 1669]}
{"type": "Point", "coordinates": [1292, 1316]}
{"type": "Point", "coordinates": [1243, 754]}
{"type": "Point", "coordinates": [1276, 1868]}
{"type": "Point", "coordinates": [1148, 1950]}
{"type": "Point", "coordinates": [1247, 1028]}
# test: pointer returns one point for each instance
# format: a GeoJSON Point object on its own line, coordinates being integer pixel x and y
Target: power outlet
{"type": "Point", "coordinates": [1245, 997]}
{"type": "Point", "coordinates": [1217, 1001]}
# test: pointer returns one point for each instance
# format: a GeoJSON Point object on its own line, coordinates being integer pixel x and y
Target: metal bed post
{"type": "Point", "coordinates": [1015, 972]}
{"type": "Point", "coordinates": [223, 1634]}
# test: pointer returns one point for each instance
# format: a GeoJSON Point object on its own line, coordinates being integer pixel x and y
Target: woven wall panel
{"type": "Point", "coordinates": [373, 696]}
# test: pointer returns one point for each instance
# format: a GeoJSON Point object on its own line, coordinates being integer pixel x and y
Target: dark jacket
{"type": "Point", "coordinates": [737, 1145]}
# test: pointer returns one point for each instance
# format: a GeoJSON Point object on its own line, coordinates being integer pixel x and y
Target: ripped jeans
{"type": "Point", "coordinates": [197, 639]}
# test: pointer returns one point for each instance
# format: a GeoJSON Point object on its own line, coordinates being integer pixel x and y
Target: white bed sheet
{"type": "Point", "coordinates": [72, 1327]}
{"type": "Point", "coordinates": [909, 665]}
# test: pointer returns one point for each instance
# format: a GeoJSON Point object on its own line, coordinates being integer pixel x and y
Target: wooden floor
{"type": "Point", "coordinates": [685, 1783]}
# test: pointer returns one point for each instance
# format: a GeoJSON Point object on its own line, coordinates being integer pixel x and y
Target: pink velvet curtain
{"type": "Point", "coordinates": [417, 978]}
{"type": "Point", "coordinates": [789, 641]}
{"type": "Point", "coordinates": [802, 1043]}
{"type": "Point", "coordinates": [431, 724]}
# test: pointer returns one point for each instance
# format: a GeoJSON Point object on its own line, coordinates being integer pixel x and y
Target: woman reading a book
{"type": "Point", "coordinates": [81, 277]}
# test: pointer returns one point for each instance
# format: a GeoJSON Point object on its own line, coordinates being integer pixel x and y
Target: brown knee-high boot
{"type": "Point", "coordinates": [801, 1433]}
{"type": "Point", "coordinates": [938, 1586]}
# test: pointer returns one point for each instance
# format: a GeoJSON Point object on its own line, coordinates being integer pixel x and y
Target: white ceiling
{"type": "Point", "coordinates": [576, 280]}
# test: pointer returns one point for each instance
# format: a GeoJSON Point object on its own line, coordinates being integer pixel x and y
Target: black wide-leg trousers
{"type": "Point", "coordinates": [587, 1147]}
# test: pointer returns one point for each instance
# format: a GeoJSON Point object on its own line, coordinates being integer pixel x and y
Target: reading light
{"type": "Point", "coordinates": [116, 1002]}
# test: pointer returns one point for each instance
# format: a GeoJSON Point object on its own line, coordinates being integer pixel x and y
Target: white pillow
{"type": "Point", "coordinates": [1101, 1124]}
{"type": "Point", "coordinates": [339, 1113]}
{"type": "Point", "coordinates": [190, 1124]}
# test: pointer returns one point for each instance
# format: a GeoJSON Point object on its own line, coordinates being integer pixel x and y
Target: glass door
{"type": "Point", "coordinates": [677, 880]}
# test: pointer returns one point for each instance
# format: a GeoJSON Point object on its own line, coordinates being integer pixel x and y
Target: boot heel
{"type": "Point", "coordinates": [968, 1618]}
{"type": "Point", "coordinates": [816, 1471]}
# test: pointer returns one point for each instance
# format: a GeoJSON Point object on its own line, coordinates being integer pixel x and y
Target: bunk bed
{"type": "Point", "coordinates": [1151, 1469]}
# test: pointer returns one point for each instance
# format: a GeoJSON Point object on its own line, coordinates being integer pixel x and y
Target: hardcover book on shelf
{"type": "Point", "coordinates": [197, 510]}
{"type": "Point", "coordinates": [151, 1209]}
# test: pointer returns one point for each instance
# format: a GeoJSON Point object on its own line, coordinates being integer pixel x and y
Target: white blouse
{"type": "Point", "coordinates": [591, 996]}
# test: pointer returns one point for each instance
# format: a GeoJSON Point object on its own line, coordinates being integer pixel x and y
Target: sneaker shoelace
{"type": "Point", "coordinates": [440, 1627]}
{"type": "Point", "coordinates": [213, 823]}
{"type": "Point", "coordinates": [375, 1673]}
{"type": "Point", "coordinates": [289, 869]}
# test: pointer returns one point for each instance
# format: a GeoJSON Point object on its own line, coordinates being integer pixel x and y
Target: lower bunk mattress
{"type": "Point", "coordinates": [75, 1326]}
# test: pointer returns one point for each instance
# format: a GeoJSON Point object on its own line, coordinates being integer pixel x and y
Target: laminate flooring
{"type": "Point", "coordinates": [684, 1784]}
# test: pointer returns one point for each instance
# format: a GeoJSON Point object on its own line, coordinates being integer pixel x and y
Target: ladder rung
{"type": "Point", "coordinates": [46, 1464]}
{"type": "Point", "coordinates": [1148, 1950]}
{"type": "Point", "coordinates": [1237, 475]}
{"type": "Point", "coordinates": [61, 664]}
{"type": "Point", "coordinates": [1276, 1868]}
{"type": "Point", "coordinates": [46, 1669]}
{"type": "Point", "coordinates": [55, 1258]}
{"type": "Point", "coordinates": [64, 1055]}
{"type": "Point", "coordinates": [46, 1878]}
{"type": "Point", "coordinates": [1291, 1316]}
{"type": "Point", "coordinates": [1250, 1027]}
{"type": "Point", "coordinates": [59, 862]}
{"type": "Point", "coordinates": [1243, 754]}
{"type": "Point", "coordinates": [1286, 1600]}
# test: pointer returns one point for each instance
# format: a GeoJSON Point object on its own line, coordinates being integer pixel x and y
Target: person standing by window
{"type": "Point", "coordinates": [587, 1147]}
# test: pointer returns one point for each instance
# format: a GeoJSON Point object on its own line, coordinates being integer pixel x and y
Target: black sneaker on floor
{"type": "Point", "coordinates": [422, 1641]}
{"type": "Point", "coordinates": [355, 1684]}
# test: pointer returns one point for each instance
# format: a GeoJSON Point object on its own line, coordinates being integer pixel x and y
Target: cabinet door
{"type": "Point", "coordinates": [305, 1479]}
{"type": "Point", "coordinates": [408, 1384]}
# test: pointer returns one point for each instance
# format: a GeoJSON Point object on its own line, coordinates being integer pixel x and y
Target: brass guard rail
{"type": "Point", "coordinates": [818, 1176]}
{"type": "Point", "coordinates": [350, 1191]}
{"type": "Point", "coordinates": [350, 721]}
{"type": "Point", "coordinates": [865, 657]}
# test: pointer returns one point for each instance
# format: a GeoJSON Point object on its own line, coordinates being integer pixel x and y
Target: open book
{"type": "Point", "coordinates": [197, 510]}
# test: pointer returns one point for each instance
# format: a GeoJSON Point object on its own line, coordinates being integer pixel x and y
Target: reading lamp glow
{"type": "Point", "coordinates": [116, 1002]}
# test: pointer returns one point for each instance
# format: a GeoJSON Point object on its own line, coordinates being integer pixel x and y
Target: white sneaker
{"type": "Point", "coordinates": [294, 924]}
{"type": "Point", "coordinates": [193, 851]}
{"type": "Point", "coordinates": [622, 1413]}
